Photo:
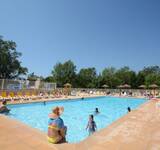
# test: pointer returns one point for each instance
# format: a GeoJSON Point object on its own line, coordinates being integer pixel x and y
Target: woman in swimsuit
{"type": "Point", "coordinates": [3, 107]}
{"type": "Point", "coordinates": [56, 128]}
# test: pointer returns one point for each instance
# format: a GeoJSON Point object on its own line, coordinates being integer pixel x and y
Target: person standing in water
{"type": "Point", "coordinates": [91, 126]}
{"type": "Point", "coordinates": [129, 109]}
{"type": "Point", "coordinates": [96, 111]}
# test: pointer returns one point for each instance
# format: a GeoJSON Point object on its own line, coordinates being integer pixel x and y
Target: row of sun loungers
{"type": "Point", "coordinates": [12, 96]}
{"type": "Point", "coordinates": [35, 95]}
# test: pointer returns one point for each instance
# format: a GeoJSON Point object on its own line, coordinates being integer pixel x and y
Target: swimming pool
{"type": "Point", "coordinates": [75, 114]}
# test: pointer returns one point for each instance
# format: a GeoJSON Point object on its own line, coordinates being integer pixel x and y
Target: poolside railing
{"type": "Point", "coordinates": [11, 84]}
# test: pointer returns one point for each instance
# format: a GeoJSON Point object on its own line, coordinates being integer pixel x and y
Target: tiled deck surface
{"type": "Point", "coordinates": [139, 130]}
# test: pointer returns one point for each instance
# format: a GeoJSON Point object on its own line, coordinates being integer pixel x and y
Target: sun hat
{"type": "Point", "coordinates": [56, 112]}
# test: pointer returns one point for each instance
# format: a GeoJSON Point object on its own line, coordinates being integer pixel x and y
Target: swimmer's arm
{"type": "Point", "coordinates": [87, 125]}
{"type": "Point", "coordinates": [95, 126]}
{"type": "Point", "coordinates": [62, 132]}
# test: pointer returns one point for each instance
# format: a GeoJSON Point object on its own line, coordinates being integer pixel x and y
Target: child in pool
{"type": "Point", "coordinates": [96, 111]}
{"type": "Point", "coordinates": [91, 126]}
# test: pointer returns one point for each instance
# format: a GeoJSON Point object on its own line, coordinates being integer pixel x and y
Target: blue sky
{"type": "Point", "coordinates": [92, 33]}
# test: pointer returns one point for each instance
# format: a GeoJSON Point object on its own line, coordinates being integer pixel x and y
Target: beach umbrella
{"type": "Point", "coordinates": [142, 86]}
{"type": "Point", "coordinates": [67, 85]}
{"type": "Point", "coordinates": [105, 86]}
{"type": "Point", "coordinates": [120, 86]}
{"type": "Point", "coordinates": [126, 86]}
{"type": "Point", "coordinates": [153, 86]}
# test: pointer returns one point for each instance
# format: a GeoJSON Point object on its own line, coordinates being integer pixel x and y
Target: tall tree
{"type": "Point", "coordinates": [151, 70]}
{"type": "Point", "coordinates": [140, 79]}
{"type": "Point", "coordinates": [109, 78]}
{"type": "Point", "coordinates": [64, 73]}
{"type": "Point", "coordinates": [10, 66]}
{"type": "Point", "coordinates": [49, 79]}
{"type": "Point", "coordinates": [126, 76]}
{"type": "Point", "coordinates": [149, 75]}
{"type": "Point", "coordinates": [33, 77]}
{"type": "Point", "coordinates": [99, 81]}
{"type": "Point", "coordinates": [87, 78]}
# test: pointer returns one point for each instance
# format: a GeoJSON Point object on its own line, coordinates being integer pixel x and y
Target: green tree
{"type": "Point", "coordinates": [10, 66]}
{"type": "Point", "coordinates": [140, 79]}
{"type": "Point", "coordinates": [49, 79]}
{"type": "Point", "coordinates": [33, 77]}
{"type": "Point", "coordinates": [99, 81]}
{"type": "Point", "coordinates": [149, 75]}
{"type": "Point", "coordinates": [151, 70]}
{"type": "Point", "coordinates": [87, 78]}
{"type": "Point", "coordinates": [126, 76]}
{"type": "Point", "coordinates": [64, 73]}
{"type": "Point", "coordinates": [152, 79]}
{"type": "Point", "coordinates": [109, 78]}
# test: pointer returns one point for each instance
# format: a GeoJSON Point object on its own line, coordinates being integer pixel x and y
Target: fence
{"type": "Point", "coordinates": [7, 84]}
{"type": "Point", "coordinates": [16, 85]}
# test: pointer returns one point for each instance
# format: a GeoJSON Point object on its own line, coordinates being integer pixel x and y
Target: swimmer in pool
{"type": "Point", "coordinates": [96, 111]}
{"type": "Point", "coordinates": [129, 109]}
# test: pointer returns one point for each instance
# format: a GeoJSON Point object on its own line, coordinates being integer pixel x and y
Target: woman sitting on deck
{"type": "Point", "coordinates": [56, 128]}
{"type": "Point", "coordinates": [3, 107]}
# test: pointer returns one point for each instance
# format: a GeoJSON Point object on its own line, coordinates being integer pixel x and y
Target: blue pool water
{"type": "Point", "coordinates": [75, 114]}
